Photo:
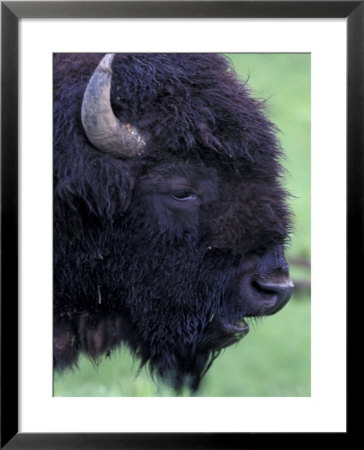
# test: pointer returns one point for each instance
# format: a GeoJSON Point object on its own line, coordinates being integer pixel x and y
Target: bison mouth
{"type": "Point", "coordinates": [258, 296]}
{"type": "Point", "coordinates": [229, 333]}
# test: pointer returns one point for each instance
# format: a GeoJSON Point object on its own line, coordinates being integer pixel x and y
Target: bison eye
{"type": "Point", "coordinates": [182, 195]}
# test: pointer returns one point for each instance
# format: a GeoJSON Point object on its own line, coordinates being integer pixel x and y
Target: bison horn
{"type": "Point", "coordinates": [101, 126]}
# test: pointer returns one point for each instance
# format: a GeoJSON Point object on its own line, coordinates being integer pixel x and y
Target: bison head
{"type": "Point", "coordinates": [169, 217]}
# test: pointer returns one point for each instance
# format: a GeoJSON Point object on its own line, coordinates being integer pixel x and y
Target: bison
{"type": "Point", "coordinates": [170, 219]}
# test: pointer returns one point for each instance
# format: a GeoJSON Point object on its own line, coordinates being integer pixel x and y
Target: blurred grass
{"type": "Point", "coordinates": [274, 358]}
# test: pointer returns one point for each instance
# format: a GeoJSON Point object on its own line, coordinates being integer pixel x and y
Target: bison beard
{"type": "Point", "coordinates": [167, 241]}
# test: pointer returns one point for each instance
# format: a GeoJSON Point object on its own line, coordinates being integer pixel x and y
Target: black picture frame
{"type": "Point", "coordinates": [11, 13]}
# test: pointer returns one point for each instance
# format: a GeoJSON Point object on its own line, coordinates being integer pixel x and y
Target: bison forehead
{"type": "Point", "coordinates": [187, 102]}
{"type": "Point", "coordinates": [191, 105]}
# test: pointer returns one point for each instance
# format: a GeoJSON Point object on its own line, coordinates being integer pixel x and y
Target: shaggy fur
{"type": "Point", "coordinates": [132, 264]}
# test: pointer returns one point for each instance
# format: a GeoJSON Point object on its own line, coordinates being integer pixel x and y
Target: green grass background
{"type": "Point", "coordinates": [274, 358]}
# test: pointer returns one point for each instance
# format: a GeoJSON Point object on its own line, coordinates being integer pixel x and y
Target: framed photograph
{"type": "Point", "coordinates": [240, 161]}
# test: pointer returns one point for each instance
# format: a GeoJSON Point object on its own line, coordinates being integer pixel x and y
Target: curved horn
{"type": "Point", "coordinates": [101, 126]}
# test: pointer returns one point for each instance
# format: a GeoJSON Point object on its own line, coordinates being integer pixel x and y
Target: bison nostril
{"type": "Point", "coordinates": [278, 290]}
